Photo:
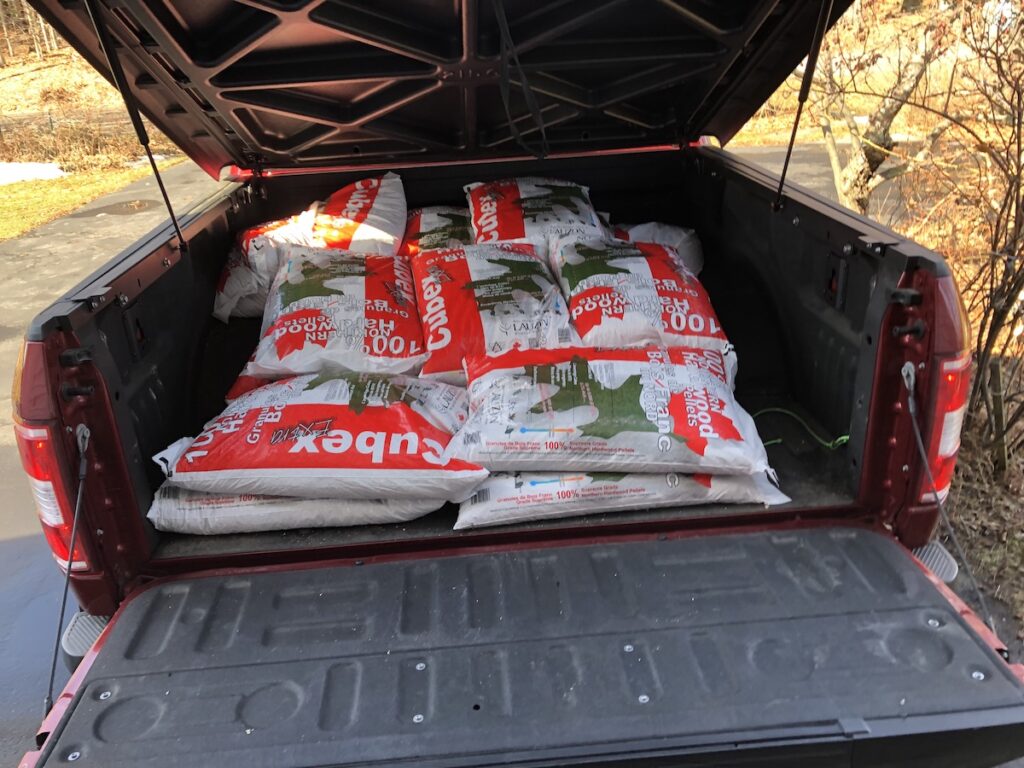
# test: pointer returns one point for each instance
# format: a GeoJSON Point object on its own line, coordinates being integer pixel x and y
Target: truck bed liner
{"type": "Point", "coordinates": [827, 645]}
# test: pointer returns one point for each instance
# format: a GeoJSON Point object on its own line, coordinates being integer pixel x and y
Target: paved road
{"type": "Point", "coordinates": [33, 270]}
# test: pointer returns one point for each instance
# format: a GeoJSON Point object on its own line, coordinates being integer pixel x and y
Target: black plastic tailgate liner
{"type": "Point", "coordinates": [826, 645]}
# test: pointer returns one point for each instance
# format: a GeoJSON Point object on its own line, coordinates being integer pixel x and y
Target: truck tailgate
{"type": "Point", "coordinates": [818, 647]}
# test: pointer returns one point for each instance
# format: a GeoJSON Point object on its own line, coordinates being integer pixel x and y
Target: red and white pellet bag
{"type": "Point", "coordinates": [336, 310]}
{"type": "Point", "coordinates": [635, 294]}
{"type": "Point", "coordinates": [680, 239]}
{"type": "Point", "coordinates": [437, 226]}
{"type": "Point", "coordinates": [250, 268]}
{"type": "Point", "coordinates": [245, 382]}
{"type": "Point", "coordinates": [367, 216]}
{"type": "Point", "coordinates": [520, 496]}
{"type": "Point", "coordinates": [486, 300]}
{"type": "Point", "coordinates": [530, 208]}
{"type": "Point", "coordinates": [179, 510]}
{"type": "Point", "coordinates": [351, 436]}
{"type": "Point", "coordinates": [608, 410]}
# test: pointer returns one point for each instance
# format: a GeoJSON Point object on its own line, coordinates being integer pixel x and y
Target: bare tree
{"type": "Point", "coordinates": [6, 31]}
{"type": "Point", "coordinates": [22, 27]}
{"type": "Point", "coordinates": [885, 74]}
{"type": "Point", "coordinates": [968, 201]}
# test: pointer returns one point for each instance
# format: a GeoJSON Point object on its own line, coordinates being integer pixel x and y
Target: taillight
{"type": "Point", "coordinates": [950, 405]}
{"type": "Point", "coordinates": [54, 503]}
{"type": "Point", "coordinates": [41, 455]}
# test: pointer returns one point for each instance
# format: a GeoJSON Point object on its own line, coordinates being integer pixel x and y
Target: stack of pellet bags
{"type": "Point", "coordinates": [521, 358]}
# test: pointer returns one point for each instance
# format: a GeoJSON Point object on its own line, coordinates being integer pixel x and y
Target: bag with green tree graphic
{"type": "Point", "coordinates": [486, 300]}
{"type": "Point", "coordinates": [633, 294]}
{"type": "Point", "coordinates": [608, 410]}
{"type": "Point", "coordinates": [434, 227]}
{"type": "Point", "coordinates": [530, 208]}
{"type": "Point", "coordinates": [335, 310]}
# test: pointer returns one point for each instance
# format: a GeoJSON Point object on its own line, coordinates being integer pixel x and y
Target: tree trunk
{"type": "Point", "coordinates": [876, 141]}
{"type": "Point", "coordinates": [42, 33]}
{"type": "Point", "coordinates": [28, 15]}
{"type": "Point", "coordinates": [3, 24]}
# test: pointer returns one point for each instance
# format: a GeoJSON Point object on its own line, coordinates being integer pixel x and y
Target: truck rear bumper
{"type": "Point", "coordinates": [822, 647]}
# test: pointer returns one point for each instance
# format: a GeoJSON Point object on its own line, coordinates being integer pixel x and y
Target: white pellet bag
{"type": "Point", "coordinates": [515, 497]}
{"type": "Point", "coordinates": [434, 227]}
{"type": "Point", "coordinates": [367, 216]}
{"type": "Point", "coordinates": [178, 510]}
{"type": "Point", "coordinates": [682, 240]}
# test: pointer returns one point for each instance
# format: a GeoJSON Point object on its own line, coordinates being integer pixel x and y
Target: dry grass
{"type": "Point", "coordinates": [29, 204]}
{"type": "Point", "coordinates": [75, 144]}
{"type": "Point", "coordinates": [59, 110]}
{"type": "Point", "coordinates": [987, 515]}
{"type": "Point", "coordinates": [31, 87]}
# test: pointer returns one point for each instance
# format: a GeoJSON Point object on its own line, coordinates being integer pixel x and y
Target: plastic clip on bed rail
{"type": "Point", "coordinates": [805, 89]}
{"type": "Point", "coordinates": [116, 71]}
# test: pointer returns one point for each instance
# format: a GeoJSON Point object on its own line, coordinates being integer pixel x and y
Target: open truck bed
{"type": "Point", "coordinates": [814, 647]}
{"type": "Point", "coordinates": [778, 644]}
{"type": "Point", "coordinates": [801, 635]}
{"type": "Point", "coordinates": [795, 350]}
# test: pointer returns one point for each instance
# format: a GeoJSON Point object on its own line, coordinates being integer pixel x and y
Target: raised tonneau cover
{"type": "Point", "coordinates": [818, 647]}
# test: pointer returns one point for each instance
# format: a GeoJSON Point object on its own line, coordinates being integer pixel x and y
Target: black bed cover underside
{"type": "Point", "coordinates": [330, 82]}
{"type": "Point", "coordinates": [817, 647]}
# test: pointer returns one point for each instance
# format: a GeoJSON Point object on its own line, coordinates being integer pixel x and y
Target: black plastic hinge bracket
{"type": "Point", "coordinates": [906, 297]}
{"type": "Point", "coordinates": [69, 391]}
{"type": "Point", "coordinates": [75, 356]}
{"type": "Point", "coordinates": [915, 329]}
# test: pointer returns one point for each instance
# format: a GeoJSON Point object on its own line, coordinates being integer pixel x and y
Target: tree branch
{"type": "Point", "coordinates": [922, 156]}
{"type": "Point", "coordinates": [833, 154]}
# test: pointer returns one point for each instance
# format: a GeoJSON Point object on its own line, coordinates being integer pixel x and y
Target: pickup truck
{"type": "Point", "coordinates": [802, 635]}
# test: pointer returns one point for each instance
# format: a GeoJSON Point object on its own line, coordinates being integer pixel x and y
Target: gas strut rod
{"type": "Point", "coordinates": [824, 14]}
{"type": "Point", "coordinates": [121, 82]}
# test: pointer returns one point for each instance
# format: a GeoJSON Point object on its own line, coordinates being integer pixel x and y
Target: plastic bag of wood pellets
{"type": "Point", "coordinates": [208, 514]}
{"type": "Point", "coordinates": [486, 300]}
{"type": "Point", "coordinates": [336, 310]}
{"type": "Point", "coordinates": [351, 436]}
{"type": "Point", "coordinates": [608, 410]}
{"type": "Point", "coordinates": [683, 241]}
{"type": "Point", "coordinates": [367, 216]}
{"type": "Point", "coordinates": [635, 294]}
{"type": "Point", "coordinates": [520, 496]}
{"type": "Point", "coordinates": [245, 382]}
{"type": "Point", "coordinates": [538, 209]}
{"type": "Point", "coordinates": [436, 227]}
{"type": "Point", "coordinates": [250, 268]}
